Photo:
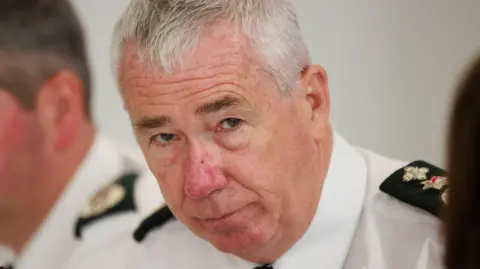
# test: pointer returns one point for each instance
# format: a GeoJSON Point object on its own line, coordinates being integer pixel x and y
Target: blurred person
{"type": "Point", "coordinates": [234, 122]}
{"type": "Point", "coordinates": [57, 174]}
{"type": "Point", "coordinates": [463, 211]}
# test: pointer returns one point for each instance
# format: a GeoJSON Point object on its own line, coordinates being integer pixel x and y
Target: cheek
{"type": "Point", "coordinates": [237, 140]}
{"type": "Point", "coordinates": [166, 168]}
{"type": "Point", "coordinates": [258, 177]}
{"type": "Point", "coordinates": [165, 157]}
{"type": "Point", "coordinates": [171, 181]}
{"type": "Point", "coordinates": [290, 152]}
{"type": "Point", "coordinates": [12, 147]}
{"type": "Point", "coordinates": [7, 158]}
{"type": "Point", "coordinates": [277, 153]}
{"type": "Point", "coordinates": [273, 164]}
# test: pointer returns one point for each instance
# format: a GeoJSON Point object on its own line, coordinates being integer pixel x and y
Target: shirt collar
{"type": "Point", "coordinates": [55, 239]}
{"type": "Point", "coordinates": [6, 255]}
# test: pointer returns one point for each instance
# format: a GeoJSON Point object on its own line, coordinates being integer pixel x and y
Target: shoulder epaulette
{"type": "Point", "coordinates": [419, 184]}
{"type": "Point", "coordinates": [117, 197]}
{"type": "Point", "coordinates": [157, 219]}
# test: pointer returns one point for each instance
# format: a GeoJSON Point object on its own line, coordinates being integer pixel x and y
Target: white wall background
{"type": "Point", "coordinates": [392, 66]}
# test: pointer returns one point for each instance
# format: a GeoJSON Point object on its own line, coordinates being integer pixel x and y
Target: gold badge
{"type": "Point", "coordinates": [435, 183]}
{"type": "Point", "coordinates": [104, 200]}
{"type": "Point", "coordinates": [420, 173]}
{"type": "Point", "coordinates": [415, 173]}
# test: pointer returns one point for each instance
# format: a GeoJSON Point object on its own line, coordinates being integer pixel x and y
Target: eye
{"type": "Point", "coordinates": [163, 138]}
{"type": "Point", "coordinates": [230, 124]}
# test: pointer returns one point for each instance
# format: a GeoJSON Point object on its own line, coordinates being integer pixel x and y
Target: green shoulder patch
{"type": "Point", "coordinates": [419, 184]}
{"type": "Point", "coordinates": [117, 197]}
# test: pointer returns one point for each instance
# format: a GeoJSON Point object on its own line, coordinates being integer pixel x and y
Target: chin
{"type": "Point", "coordinates": [244, 242]}
{"type": "Point", "coordinates": [241, 233]}
{"type": "Point", "coordinates": [240, 242]}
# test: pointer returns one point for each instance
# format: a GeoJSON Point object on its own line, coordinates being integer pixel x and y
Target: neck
{"type": "Point", "coordinates": [19, 226]}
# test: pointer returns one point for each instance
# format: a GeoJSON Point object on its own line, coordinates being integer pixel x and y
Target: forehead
{"type": "Point", "coordinates": [221, 57]}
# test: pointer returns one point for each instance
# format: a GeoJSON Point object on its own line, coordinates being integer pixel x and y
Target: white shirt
{"type": "Point", "coordinates": [54, 242]}
{"type": "Point", "coordinates": [392, 234]}
{"type": "Point", "coordinates": [355, 227]}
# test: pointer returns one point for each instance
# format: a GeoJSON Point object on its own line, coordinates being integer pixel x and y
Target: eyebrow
{"type": "Point", "coordinates": [207, 108]}
{"type": "Point", "coordinates": [218, 105]}
{"type": "Point", "coordinates": [152, 122]}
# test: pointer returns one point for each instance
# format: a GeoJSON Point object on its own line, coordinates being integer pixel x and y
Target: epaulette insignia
{"type": "Point", "coordinates": [419, 184]}
{"type": "Point", "coordinates": [114, 198]}
{"type": "Point", "coordinates": [156, 220]}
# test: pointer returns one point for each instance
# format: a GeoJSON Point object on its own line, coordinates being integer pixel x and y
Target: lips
{"type": "Point", "coordinates": [221, 221]}
{"type": "Point", "coordinates": [224, 216]}
{"type": "Point", "coordinates": [235, 221]}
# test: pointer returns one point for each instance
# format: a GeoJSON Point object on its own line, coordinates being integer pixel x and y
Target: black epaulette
{"type": "Point", "coordinates": [419, 184]}
{"type": "Point", "coordinates": [117, 197]}
{"type": "Point", "coordinates": [157, 219]}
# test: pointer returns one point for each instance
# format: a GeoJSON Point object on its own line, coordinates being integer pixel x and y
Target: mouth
{"type": "Point", "coordinates": [227, 222]}
{"type": "Point", "coordinates": [221, 217]}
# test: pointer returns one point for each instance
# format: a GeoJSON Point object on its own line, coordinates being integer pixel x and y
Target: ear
{"type": "Point", "coordinates": [60, 109]}
{"type": "Point", "coordinates": [314, 91]}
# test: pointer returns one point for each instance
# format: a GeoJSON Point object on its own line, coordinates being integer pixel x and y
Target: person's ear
{"type": "Point", "coordinates": [60, 108]}
{"type": "Point", "coordinates": [314, 90]}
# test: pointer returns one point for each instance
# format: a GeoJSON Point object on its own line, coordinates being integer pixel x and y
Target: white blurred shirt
{"type": "Point", "coordinates": [356, 226]}
{"type": "Point", "coordinates": [53, 243]}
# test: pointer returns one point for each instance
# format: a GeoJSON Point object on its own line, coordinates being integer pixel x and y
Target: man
{"type": "Point", "coordinates": [52, 162]}
{"type": "Point", "coordinates": [233, 120]}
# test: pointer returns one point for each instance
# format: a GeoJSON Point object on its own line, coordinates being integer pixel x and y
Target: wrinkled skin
{"type": "Point", "coordinates": [240, 164]}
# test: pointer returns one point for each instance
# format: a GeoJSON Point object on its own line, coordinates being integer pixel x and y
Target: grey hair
{"type": "Point", "coordinates": [165, 30]}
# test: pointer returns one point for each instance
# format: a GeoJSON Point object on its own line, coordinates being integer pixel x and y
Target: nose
{"type": "Point", "coordinates": [203, 174]}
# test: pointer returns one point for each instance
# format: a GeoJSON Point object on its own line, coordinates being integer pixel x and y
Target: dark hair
{"type": "Point", "coordinates": [463, 210]}
{"type": "Point", "coordinates": [38, 38]}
